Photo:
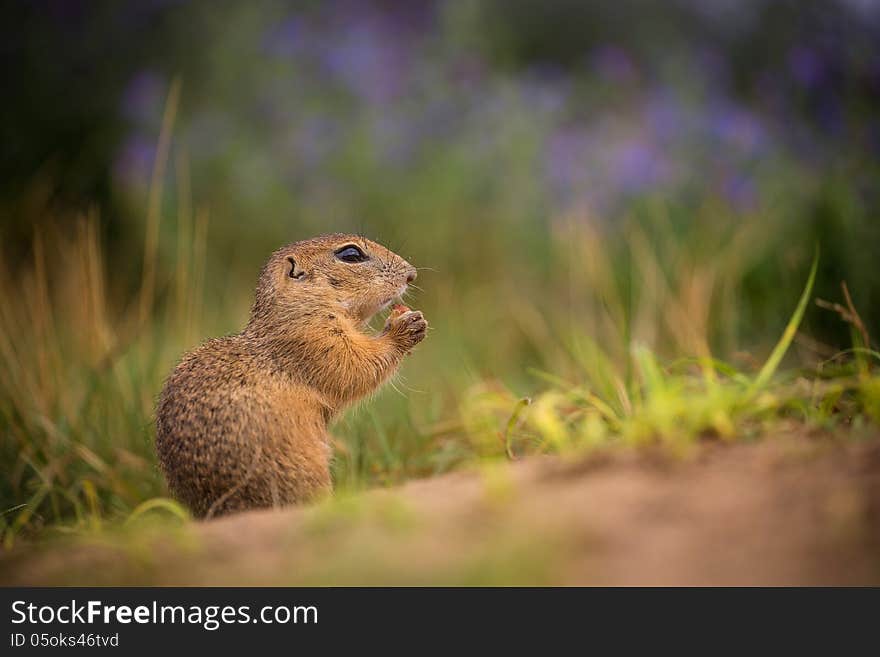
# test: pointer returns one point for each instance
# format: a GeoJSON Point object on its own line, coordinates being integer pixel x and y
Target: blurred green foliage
{"type": "Point", "coordinates": [575, 179]}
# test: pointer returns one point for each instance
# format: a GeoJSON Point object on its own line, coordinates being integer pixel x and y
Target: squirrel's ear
{"type": "Point", "coordinates": [294, 271]}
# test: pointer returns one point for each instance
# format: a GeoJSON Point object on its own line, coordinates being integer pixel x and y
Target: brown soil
{"type": "Point", "coordinates": [789, 510]}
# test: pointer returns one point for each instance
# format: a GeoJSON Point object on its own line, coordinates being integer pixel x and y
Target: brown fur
{"type": "Point", "coordinates": [242, 420]}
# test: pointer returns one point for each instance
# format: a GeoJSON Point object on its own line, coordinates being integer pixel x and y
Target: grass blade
{"type": "Point", "coordinates": [769, 368]}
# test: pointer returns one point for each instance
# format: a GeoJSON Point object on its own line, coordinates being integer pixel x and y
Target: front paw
{"type": "Point", "coordinates": [407, 329]}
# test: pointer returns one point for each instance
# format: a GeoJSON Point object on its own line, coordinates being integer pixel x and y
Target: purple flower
{"type": "Point", "coordinates": [806, 65]}
{"type": "Point", "coordinates": [143, 98]}
{"type": "Point", "coordinates": [283, 39]}
{"type": "Point", "coordinates": [664, 117]}
{"type": "Point", "coordinates": [133, 166]}
{"type": "Point", "coordinates": [738, 128]}
{"type": "Point", "coordinates": [368, 62]}
{"type": "Point", "coordinates": [565, 162]}
{"type": "Point", "coordinates": [739, 190]}
{"type": "Point", "coordinates": [614, 64]}
{"type": "Point", "coordinates": [635, 165]}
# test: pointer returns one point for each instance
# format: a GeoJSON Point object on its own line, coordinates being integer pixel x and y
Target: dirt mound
{"type": "Point", "coordinates": [788, 510]}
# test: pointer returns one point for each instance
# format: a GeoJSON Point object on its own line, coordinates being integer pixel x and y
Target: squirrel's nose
{"type": "Point", "coordinates": [411, 275]}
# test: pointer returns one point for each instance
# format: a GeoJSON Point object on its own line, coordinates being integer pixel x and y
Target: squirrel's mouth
{"type": "Point", "coordinates": [382, 306]}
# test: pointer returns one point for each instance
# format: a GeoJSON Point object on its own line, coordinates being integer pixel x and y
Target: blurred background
{"type": "Point", "coordinates": [573, 176]}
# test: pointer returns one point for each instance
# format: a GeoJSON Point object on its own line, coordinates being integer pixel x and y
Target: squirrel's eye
{"type": "Point", "coordinates": [351, 254]}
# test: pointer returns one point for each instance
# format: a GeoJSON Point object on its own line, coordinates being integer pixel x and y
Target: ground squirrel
{"type": "Point", "coordinates": [242, 421]}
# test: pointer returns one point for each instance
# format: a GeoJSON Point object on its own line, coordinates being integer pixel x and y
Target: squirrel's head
{"type": "Point", "coordinates": [337, 273]}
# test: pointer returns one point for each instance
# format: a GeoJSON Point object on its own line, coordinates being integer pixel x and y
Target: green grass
{"type": "Point", "coordinates": [676, 405]}
{"type": "Point", "coordinates": [547, 334]}
{"type": "Point", "coordinates": [83, 373]}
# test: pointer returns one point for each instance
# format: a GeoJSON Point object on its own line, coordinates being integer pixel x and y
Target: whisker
{"type": "Point", "coordinates": [396, 389]}
{"type": "Point", "coordinates": [409, 388]}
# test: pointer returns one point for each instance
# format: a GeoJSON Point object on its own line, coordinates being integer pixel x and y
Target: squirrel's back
{"type": "Point", "coordinates": [231, 433]}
